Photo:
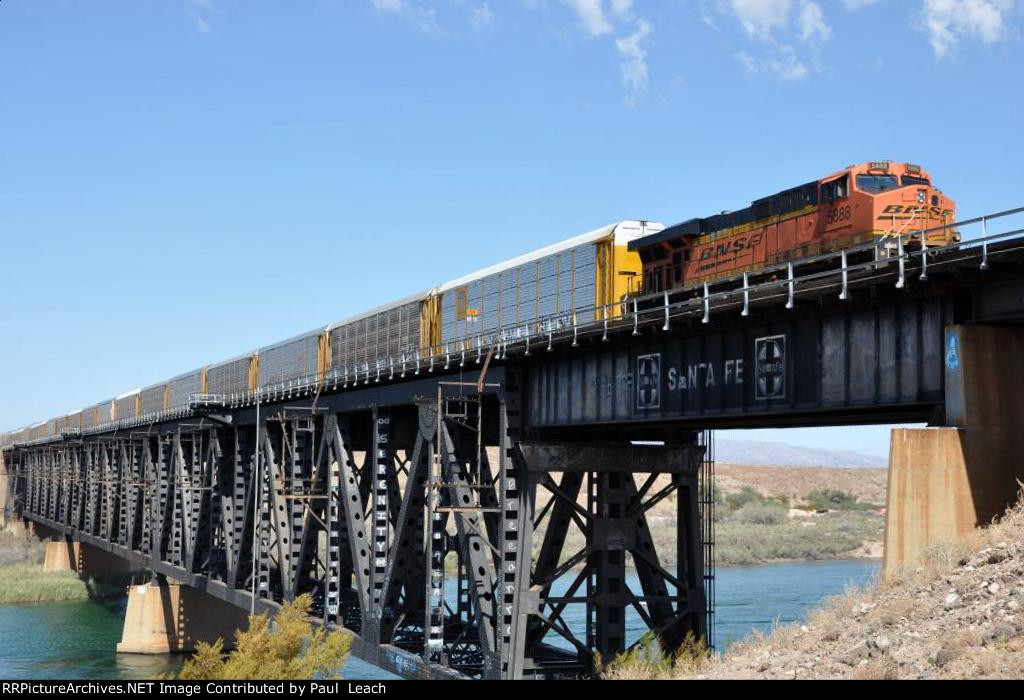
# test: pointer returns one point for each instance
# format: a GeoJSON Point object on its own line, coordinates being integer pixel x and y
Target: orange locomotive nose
{"type": "Point", "coordinates": [913, 209]}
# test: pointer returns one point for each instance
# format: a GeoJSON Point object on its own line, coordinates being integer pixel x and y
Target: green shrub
{"type": "Point", "coordinates": [834, 499]}
{"type": "Point", "coordinates": [290, 649]}
{"type": "Point", "coordinates": [759, 513]}
{"type": "Point", "coordinates": [747, 494]}
{"type": "Point", "coordinates": [824, 537]}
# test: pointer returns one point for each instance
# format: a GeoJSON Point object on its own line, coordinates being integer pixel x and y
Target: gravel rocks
{"type": "Point", "coordinates": [960, 621]}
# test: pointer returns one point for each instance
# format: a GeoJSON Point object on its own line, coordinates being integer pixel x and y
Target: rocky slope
{"type": "Point", "coordinates": [961, 615]}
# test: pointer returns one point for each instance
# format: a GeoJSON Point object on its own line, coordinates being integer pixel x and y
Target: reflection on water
{"type": "Point", "coordinates": [76, 641]}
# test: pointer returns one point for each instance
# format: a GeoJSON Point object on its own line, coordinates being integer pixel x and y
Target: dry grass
{"type": "Point", "coordinates": [28, 583]}
{"type": "Point", "coordinates": [794, 483]}
{"type": "Point", "coordinates": [22, 579]}
{"type": "Point", "coordinates": [646, 661]}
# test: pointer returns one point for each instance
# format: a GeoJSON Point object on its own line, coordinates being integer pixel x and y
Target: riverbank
{"type": "Point", "coordinates": [958, 616]}
{"type": "Point", "coordinates": [773, 515]}
{"type": "Point", "coordinates": [833, 535]}
{"type": "Point", "coordinates": [22, 579]}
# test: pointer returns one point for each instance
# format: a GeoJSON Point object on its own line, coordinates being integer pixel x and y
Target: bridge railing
{"type": "Point", "coordinates": [908, 258]}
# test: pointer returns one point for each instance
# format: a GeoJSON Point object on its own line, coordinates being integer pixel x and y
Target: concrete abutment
{"type": "Point", "coordinates": [89, 562]}
{"type": "Point", "coordinates": [173, 618]}
{"type": "Point", "coordinates": [945, 482]}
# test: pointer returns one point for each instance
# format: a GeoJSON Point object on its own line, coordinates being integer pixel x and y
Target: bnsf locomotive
{"type": "Point", "coordinates": [856, 205]}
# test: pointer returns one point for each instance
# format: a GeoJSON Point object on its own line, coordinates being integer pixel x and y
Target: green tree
{"type": "Point", "coordinates": [835, 499]}
{"type": "Point", "coordinates": [290, 649]}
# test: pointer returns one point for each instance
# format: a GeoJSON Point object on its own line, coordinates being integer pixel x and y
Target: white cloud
{"type": "Point", "coordinates": [783, 63]}
{"type": "Point", "coordinates": [854, 5]}
{"type": "Point", "coordinates": [812, 25]}
{"type": "Point", "coordinates": [198, 10]}
{"type": "Point", "coordinates": [949, 22]}
{"type": "Point", "coordinates": [602, 18]}
{"type": "Point", "coordinates": [592, 16]}
{"type": "Point", "coordinates": [633, 58]}
{"type": "Point", "coordinates": [759, 18]}
{"type": "Point", "coordinates": [779, 31]}
{"type": "Point", "coordinates": [424, 18]}
{"type": "Point", "coordinates": [481, 16]}
{"type": "Point", "coordinates": [622, 8]}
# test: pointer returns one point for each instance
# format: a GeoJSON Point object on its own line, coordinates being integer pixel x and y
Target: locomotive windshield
{"type": "Point", "coordinates": [877, 183]}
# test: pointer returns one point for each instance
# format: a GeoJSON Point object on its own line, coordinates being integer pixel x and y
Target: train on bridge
{"type": "Point", "coordinates": [877, 200]}
{"type": "Point", "coordinates": [587, 278]}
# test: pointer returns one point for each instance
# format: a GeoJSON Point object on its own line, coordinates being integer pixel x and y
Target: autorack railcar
{"type": "Point", "coordinates": [582, 279]}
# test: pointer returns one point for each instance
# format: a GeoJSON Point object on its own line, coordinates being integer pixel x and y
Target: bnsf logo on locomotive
{"type": "Point", "coordinates": [892, 209]}
{"type": "Point", "coordinates": [732, 247]}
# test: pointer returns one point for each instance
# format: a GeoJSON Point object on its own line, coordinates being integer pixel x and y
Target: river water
{"type": "Point", "coordinates": [76, 641]}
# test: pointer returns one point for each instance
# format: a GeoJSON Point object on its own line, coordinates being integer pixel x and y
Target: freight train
{"type": "Point", "coordinates": [577, 281]}
{"type": "Point", "coordinates": [871, 201]}
{"type": "Point", "coordinates": [584, 279]}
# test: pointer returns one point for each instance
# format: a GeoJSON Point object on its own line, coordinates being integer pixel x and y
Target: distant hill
{"type": "Point", "coordinates": [780, 454]}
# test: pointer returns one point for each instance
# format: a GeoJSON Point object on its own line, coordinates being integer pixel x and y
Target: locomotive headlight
{"type": "Point", "coordinates": [921, 196]}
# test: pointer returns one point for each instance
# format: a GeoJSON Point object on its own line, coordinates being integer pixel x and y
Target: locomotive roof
{"type": "Point", "coordinates": [781, 202]}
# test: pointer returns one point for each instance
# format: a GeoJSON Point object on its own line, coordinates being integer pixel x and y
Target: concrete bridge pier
{"type": "Point", "coordinates": [165, 618]}
{"type": "Point", "coordinates": [7, 514]}
{"type": "Point", "coordinates": [67, 554]}
{"type": "Point", "coordinates": [946, 481]}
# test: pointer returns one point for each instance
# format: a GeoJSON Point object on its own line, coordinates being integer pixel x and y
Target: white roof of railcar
{"type": "Point", "coordinates": [236, 358]}
{"type": "Point", "coordinates": [301, 336]}
{"type": "Point", "coordinates": [379, 309]}
{"type": "Point", "coordinates": [183, 375]}
{"type": "Point", "coordinates": [624, 231]}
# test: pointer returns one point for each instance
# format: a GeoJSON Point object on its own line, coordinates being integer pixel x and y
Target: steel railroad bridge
{"type": "Point", "coordinates": [449, 515]}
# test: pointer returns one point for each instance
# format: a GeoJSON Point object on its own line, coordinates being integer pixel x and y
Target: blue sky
{"type": "Point", "coordinates": [182, 181]}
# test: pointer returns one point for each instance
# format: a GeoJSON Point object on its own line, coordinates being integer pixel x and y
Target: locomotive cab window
{"type": "Point", "coordinates": [877, 183]}
{"type": "Point", "coordinates": [837, 189]}
{"type": "Point", "coordinates": [911, 180]}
